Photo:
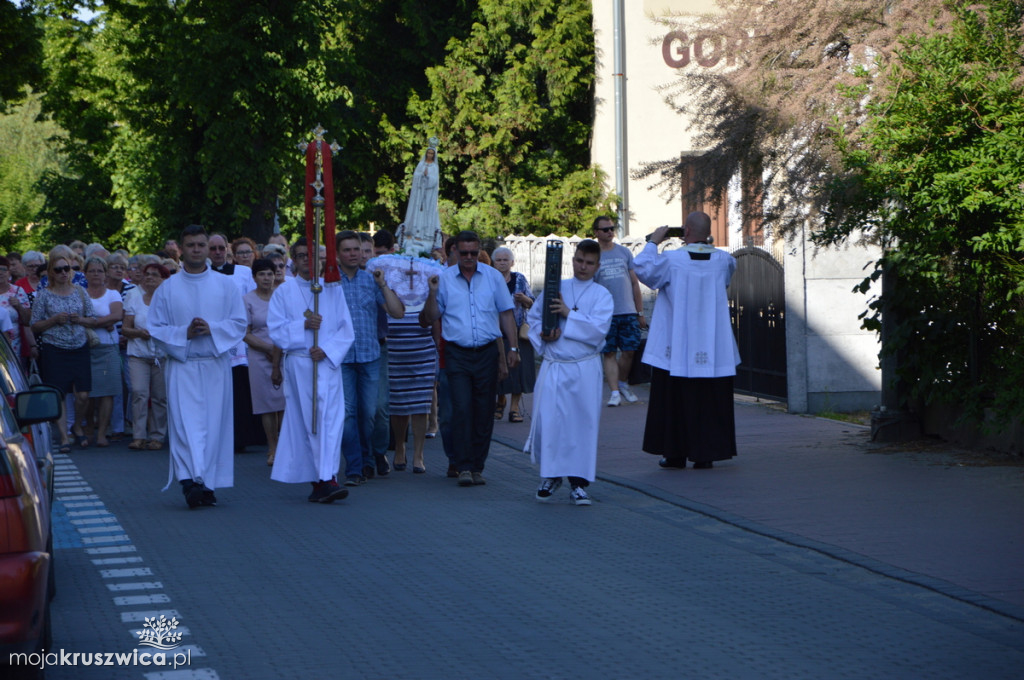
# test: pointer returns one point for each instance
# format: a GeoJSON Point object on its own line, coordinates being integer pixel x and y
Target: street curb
{"type": "Point", "coordinates": [939, 586]}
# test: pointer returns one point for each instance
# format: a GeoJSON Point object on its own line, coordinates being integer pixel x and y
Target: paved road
{"type": "Point", "coordinates": [415, 577]}
{"type": "Point", "coordinates": [936, 515]}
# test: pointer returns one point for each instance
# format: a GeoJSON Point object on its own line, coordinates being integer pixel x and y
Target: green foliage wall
{"type": "Point", "coordinates": [940, 173]}
{"type": "Point", "coordinates": [512, 104]}
{"type": "Point", "coordinates": [190, 112]}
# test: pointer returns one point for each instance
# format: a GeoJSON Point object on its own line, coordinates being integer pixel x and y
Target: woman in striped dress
{"type": "Point", "coordinates": [412, 370]}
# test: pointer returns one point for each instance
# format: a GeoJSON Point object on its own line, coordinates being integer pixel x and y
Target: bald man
{"type": "Point", "coordinates": [691, 349]}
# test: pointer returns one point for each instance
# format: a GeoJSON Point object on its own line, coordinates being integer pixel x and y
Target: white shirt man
{"type": "Point", "coordinates": [567, 395]}
{"type": "Point", "coordinates": [197, 316]}
{"type": "Point", "coordinates": [302, 455]}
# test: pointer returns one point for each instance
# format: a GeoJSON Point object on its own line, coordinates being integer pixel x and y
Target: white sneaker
{"type": "Point", "coordinates": [548, 487]}
{"type": "Point", "coordinates": [615, 399]}
{"type": "Point", "coordinates": [579, 496]}
{"type": "Point", "coordinates": [628, 394]}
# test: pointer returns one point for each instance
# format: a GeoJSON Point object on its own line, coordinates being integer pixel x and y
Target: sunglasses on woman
{"type": "Point", "coordinates": [62, 270]}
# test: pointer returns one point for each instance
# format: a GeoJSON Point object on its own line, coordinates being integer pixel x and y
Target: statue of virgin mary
{"type": "Point", "coordinates": [421, 231]}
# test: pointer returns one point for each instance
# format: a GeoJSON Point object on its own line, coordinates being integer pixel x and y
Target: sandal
{"type": "Point", "coordinates": [515, 417]}
{"type": "Point", "coordinates": [65, 447]}
{"type": "Point", "coordinates": [83, 442]}
{"type": "Point", "coordinates": [499, 411]}
{"type": "Point", "coordinates": [154, 445]}
{"type": "Point", "coordinates": [137, 445]}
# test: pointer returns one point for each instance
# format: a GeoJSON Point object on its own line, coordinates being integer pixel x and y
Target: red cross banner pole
{"type": "Point", "coordinates": [319, 214]}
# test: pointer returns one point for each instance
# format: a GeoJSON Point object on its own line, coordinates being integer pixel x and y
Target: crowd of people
{"type": "Point", "coordinates": [168, 348]}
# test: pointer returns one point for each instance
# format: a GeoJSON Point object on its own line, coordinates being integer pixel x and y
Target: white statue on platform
{"type": "Point", "coordinates": [421, 233]}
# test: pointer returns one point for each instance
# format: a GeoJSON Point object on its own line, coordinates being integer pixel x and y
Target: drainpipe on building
{"type": "Point", "coordinates": [621, 155]}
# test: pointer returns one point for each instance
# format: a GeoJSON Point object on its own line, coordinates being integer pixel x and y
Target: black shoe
{"type": "Point", "coordinates": [328, 492]}
{"type": "Point", "coordinates": [673, 464]}
{"type": "Point", "coordinates": [368, 472]}
{"type": "Point", "coordinates": [193, 493]}
{"type": "Point", "coordinates": [706, 465]}
{"type": "Point", "coordinates": [452, 472]}
{"type": "Point", "coordinates": [383, 466]}
{"type": "Point", "coordinates": [208, 497]}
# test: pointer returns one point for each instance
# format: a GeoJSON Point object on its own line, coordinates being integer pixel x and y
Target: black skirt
{"type": "Point", "coordinates": [69, 370]}
{"type": "Point", "coordinates": [690, 418]}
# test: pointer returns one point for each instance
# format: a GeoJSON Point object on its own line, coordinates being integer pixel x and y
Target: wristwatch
{"type": "Point", "coordinates": [513, 349]}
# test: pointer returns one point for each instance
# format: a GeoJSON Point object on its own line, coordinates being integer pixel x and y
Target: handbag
{"type": "Point", "coordinates": [90, 334]}
{"type": "Point", "coordinates": [33, 374]}
{"type": "Point", "coordinates": [524, 331]}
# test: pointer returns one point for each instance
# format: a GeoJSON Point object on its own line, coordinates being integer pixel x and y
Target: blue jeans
{"type": "Point", "coordinates": [382, 421]}
{"type": "Point", "coordinates": [444, 414]}
{"type": "Point", "coordinates": [360, 383]}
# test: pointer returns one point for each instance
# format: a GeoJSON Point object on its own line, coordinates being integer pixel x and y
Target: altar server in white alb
{"type": "Point", "coordinates": [691, 349]}
{"type": "Point", "coordinates": [303, 456]}
{"type": "Point", "coordinates": [567, 394]}
{"type": "Point", "coordinates": [197, 316]}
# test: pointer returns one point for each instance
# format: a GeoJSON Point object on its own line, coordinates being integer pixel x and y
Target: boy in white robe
{"type": "Point", "coordinates": [303, 456]}
{"type": "Point", "coordinates": [567, 394]}
{"type": "Point", "coordinates": [197, 316]}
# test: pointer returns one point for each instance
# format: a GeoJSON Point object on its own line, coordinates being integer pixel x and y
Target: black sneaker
{"type": "Point", "coordinates": [383, 466]}
{"type": "Point", "coordinates": [208, 497]}
{"type": "Point", "coordinates": [355, 480]}
{"type": "Point", "coordinates": [193, 493]}
{"type": "Point", "coordinates": [328, 492]}
{"type": "Point", "coordinates": [368, 472]}
{"type": "Point", "coordinates": [548, 487]}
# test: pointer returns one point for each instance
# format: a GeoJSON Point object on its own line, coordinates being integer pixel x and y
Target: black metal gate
{"type": "Point", "coordinates": [757, 307]}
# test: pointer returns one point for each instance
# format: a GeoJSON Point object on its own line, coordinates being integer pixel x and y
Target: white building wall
{"type": "Point", "coordinates": [831, 362]}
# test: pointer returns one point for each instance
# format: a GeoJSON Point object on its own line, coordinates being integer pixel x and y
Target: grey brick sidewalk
{"type": "Point", "coordinates": [412, 577]}
{"type": "Point", "coordinates": [926, 512]}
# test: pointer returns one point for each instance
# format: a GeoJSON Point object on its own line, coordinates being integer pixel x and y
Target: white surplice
{"type": "Point", "coordinates": [301, 455]}
{"type": "Point", "coordinates": [567, 394]}
{"type": "Point", "coordinates": [691, 335]}
{"type": "Point", "coordinates": [198, 372]}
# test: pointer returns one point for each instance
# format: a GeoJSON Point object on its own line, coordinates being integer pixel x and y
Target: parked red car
{"type": "Point", "coordinates": [26, 546]}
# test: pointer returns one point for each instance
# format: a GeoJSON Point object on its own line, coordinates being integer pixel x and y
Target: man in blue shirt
{"type": "Point", "coordinates": [360, 369]}
{"type": "Point", "coordinates": [475, 306]}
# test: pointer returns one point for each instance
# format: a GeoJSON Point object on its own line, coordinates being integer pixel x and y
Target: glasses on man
{"type": "Point", "coordinates": [282, 265]}
{"type": "Point", "coordinates": [469, 253]}
{"type": "Point", "coordinates": [606, 228]}
{"type": "Point", "coordinates": [62, 270]}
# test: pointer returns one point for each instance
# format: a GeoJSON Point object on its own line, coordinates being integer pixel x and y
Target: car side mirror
{"type": "Point", "coordinates": [37, 405]}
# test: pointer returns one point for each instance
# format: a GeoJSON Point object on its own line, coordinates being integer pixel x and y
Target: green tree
{"type": "Point", "coordinates": [512, 105]}
{"type": "Point", "coordinates": [20, 51]}
{"type": "Point", "coordinates": [938, 169]}
{"type": "Point", "coordinates": [190, 111]}
{"type": "Point", "coordinates": [27, 155]}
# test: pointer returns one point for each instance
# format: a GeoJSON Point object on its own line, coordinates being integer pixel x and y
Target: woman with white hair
{"type": "Point", "coordinates": [32, 260]}
{"type": "Point", "coordinates": [521, 378]}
